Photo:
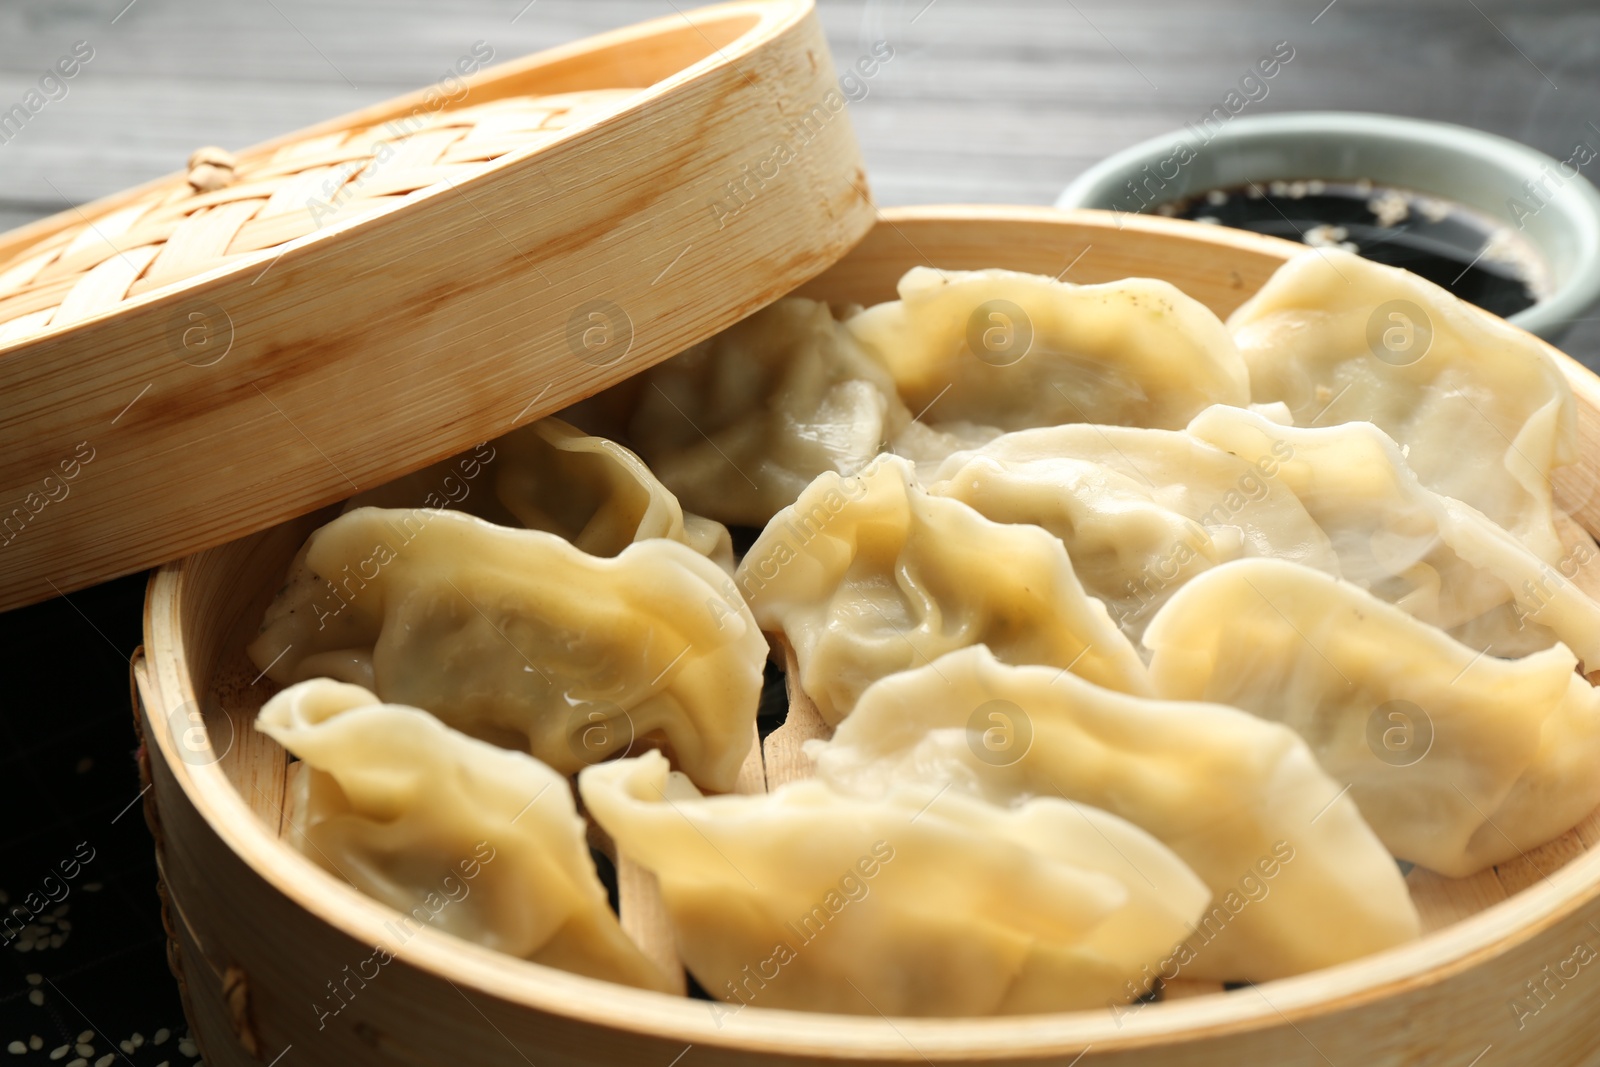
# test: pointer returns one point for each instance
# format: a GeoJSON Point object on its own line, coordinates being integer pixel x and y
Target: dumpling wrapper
{"type": "Point", "coordinates": [551, 476]}
{"type": "Point", "coordinates": [521, 639]}
{"type": "Point", "coordinates": [1140, 511]}
{"type": "Point", "coordinates": [1437, 558]}
{"type": "Point", "coordinates": [472, 839]}
{"type": "Point", "coordinates": [870, 575]}
{"type": "Point", "coordinates": [929, 447]}
{"type": "Point", "coordinates": [1137, 352]}
{"type": "Point", "coordinates": [914, 904]}
{"type": "Point", "coordinates": [1484, 414]}
{"type": "Point", "coordinates": [1297, 879]}
{"type": "Point", "coordinates": [1456, 759]}
{"type": "Point", "coordinates": [739, 424]}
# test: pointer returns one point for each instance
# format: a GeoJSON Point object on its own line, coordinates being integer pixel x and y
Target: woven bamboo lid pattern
{"type": "Point", "coordinates": [226, 208]}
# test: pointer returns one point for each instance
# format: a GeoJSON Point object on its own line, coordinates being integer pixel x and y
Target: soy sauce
{"type": "Point", "coordinates": [1477, 258]}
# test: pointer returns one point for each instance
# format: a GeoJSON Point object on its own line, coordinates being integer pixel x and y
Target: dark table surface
{"type": "Point", "coordinates": [983, 102]}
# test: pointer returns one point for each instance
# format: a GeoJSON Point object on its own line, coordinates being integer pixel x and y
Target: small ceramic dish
{"type": "Point", "coordinates": [1549, 202]}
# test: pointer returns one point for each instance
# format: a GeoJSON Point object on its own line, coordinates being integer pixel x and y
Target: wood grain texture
{"type": "Point", "coordinates": [372, 347]}
{"type": "Point", "coordinates": [1444, 999]}
{"type": "Point", "coordinates": [783, 752]}
{"type": "Point", "coordinates": [293, 782]}
{"type": "Point", "coordinates": [644, 918]}
{"type": "Point", "coordinates": [1442, 901]}
{"type": "Point", "coordinates": [752, 772]}
{"type": "Point", "coordinates": [1002, 101]}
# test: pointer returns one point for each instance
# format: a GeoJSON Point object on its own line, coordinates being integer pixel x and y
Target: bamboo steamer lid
{"type": "Point", "coordinates": [267, 331]}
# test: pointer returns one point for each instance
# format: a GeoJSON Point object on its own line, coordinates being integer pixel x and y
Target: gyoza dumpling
{"type": "Point", "coordinates": [738, 425]}
{"type": "Point", "coordinates": [1458, 760]}
{"type": "Point", "coordinates": [1010, 350]}
{"type": "Point", "coordinates": [870, 575]}
{"type": "Point", "coordinates": [1437, 558]}
{"type": "Point", "coordinates": [551, 476]}
{"type": "Point", "coordinates": [1140, 511]}
{"type": "Point", "coordinates": [1481, 410]}
{"type": "Point", "coordinates": [1298, 881]}
{"type": "Point", "coordinates": [472, 839]}
{"type": "Point", "coordinates": [519, 638]}
{"type": "Point", "coordinates": [918, 903]}
{"type": "Point", "coordinates": [928, 447]}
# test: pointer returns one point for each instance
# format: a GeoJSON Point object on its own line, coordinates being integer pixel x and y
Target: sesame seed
{"type": "Point", "coordinates": [84, 1048]}
{"type": "Point", "coordinates": [36, 997]}
{"type": "Point", "coordinates": [105, 1061]}
{"type": "Point", "coordinates": [64, 924]}
{"type": "Point", "coordinates": [60, 1053]}
{"type": "Point", "coordinates": [56, 941]}
{"type": "Point", "coordinates": [164, 1063]}
{"type": "Point", "coordinates": [79, 1062]}
{"type": "Point", "coordinates": [127, 1046]}
{"type": "Point", "coordinates": [35, 1042]}
{"type": "Point", "coordinates": [25, 945]}
{"type": "Point", "coordinates": [93, 887]}
{"type": "Point", "coordinates": [59, 912]}
{"type": "Point", "coordinates": [161, 1036]}
{"type": "Point", "coordinates": [188, 1048]}
{"type": "Point", "coordinates": [137, 1039]}
{"type": "Point", "coordinates": [87, 1035]}
{"type": "Point", "coordinates": [35, 979]}
{"type": "Point", "coordinates": [16, 1048]}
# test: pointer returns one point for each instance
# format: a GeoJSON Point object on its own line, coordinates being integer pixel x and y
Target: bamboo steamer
{"type": "Point", "coordinates": [261, 335]}
{"type": "Point", "coordinates": [258, 932]}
